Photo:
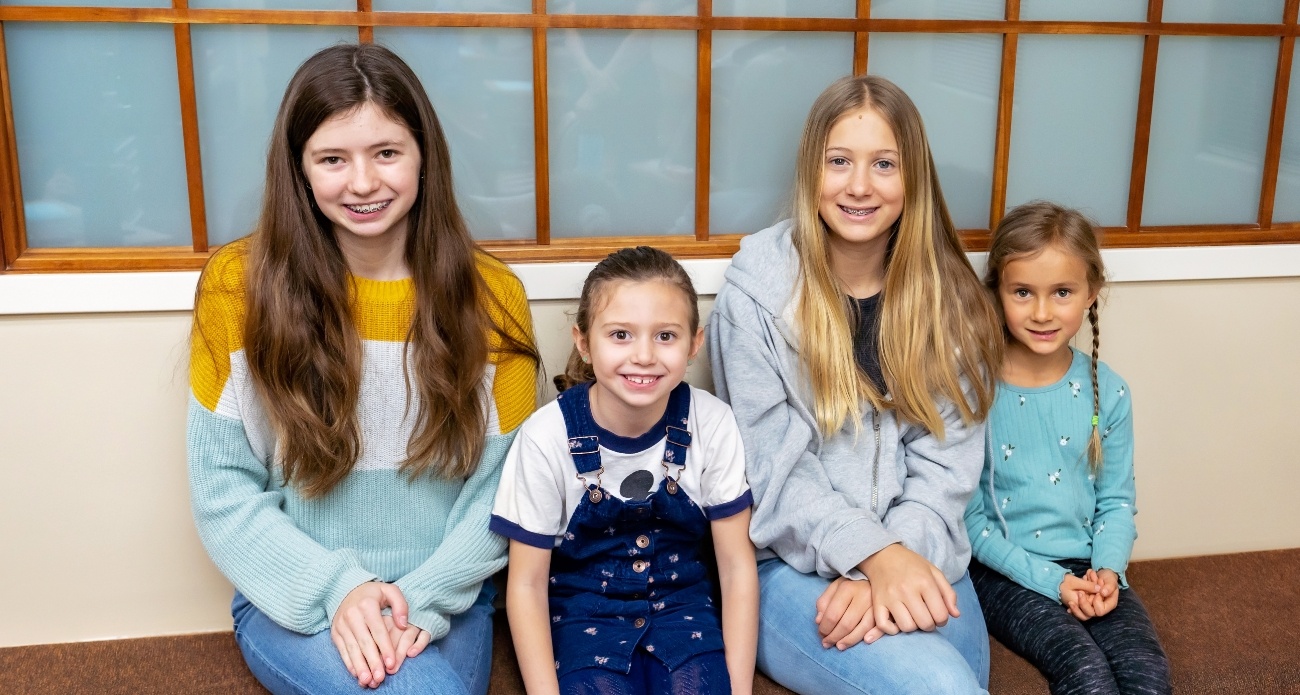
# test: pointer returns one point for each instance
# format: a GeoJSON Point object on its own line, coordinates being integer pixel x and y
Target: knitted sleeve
{"type": "Point", "coordinates": [237, 511]}
{"type": "Point", "coordinates": [448, 582]}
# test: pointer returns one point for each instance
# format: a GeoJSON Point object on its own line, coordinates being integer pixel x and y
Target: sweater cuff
{"type": "Point", "coordinates": [844, 549]}
{"type": "Point", "coordinates": [1047, 581]}
{"type": "Point", "coordinates": [431, 621]}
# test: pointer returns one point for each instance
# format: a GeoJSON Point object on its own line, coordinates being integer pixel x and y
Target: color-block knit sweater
{"type": "Point", "coordinates": [297, 558]}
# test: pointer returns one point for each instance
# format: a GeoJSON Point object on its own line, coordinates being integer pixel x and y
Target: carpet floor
{"type": "Point", "coordinates": [1227, 623]}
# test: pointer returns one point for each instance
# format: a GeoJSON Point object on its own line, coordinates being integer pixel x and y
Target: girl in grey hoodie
{"type": "Point", "coordinates": [855, 345]}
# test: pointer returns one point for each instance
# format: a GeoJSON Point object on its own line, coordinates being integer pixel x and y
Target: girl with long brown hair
{"type": "Point", "coordinates": [857, 349]}
{"type": "Point", "coordinates": [358, 368]}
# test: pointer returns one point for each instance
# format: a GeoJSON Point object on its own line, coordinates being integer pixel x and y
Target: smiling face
{"type": "Point", "coordinates": [1044, 298]}
{"type": "Point", "coordinates": [364, 171]}
{"type": "Point", "coordinates": [862, 184]}
{"type": "Point", "coordinates": [639, 344]}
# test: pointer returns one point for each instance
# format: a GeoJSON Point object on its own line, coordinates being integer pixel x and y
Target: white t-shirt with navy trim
{"type": "Point", "coordinates": [540, 488]}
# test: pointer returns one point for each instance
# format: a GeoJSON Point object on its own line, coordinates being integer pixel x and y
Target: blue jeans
{"type": "Point", "coordinates": [289, 663]}
{"type": "Point", "coordinates": [952, 659]}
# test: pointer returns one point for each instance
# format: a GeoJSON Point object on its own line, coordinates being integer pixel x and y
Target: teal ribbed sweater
{"type": "Point", "coordinates": [1038, 501]}
{"type": "Point", "coordinates": [297, 558]}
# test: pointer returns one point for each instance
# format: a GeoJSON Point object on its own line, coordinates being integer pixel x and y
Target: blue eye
{"type": "Point", "coordinates": [838, 161]}
{"type": "Point", "coordinates": [1022, 293]}
{"type": "Point", "coordinates": [1063, 293]}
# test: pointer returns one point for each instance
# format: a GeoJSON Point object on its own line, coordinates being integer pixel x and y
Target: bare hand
{"type": "Point", "coordinates": [1077, 594]}
{"type": "Point", "coordinates": [845, 616]}
{"type": "Point", "coordinates": [909, 593]}
{"type": "Point", "coordinates": [1106, 600]}
{"type": "Point", "coordinates": [359, 633]}
{"type": "Point", "coordinates": [409, 642]}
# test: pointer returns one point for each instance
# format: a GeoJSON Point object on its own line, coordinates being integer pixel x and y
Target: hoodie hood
{"type": "Point", "coordinates": [766, 268]}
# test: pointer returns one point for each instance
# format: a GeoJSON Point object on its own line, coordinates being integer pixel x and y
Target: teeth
{"type": "Point", "coordinates": [365, 209]}
{"type": "Point", "coordinates": [859, 212]}
{"type": "Point", "coordinates": [642, 380]}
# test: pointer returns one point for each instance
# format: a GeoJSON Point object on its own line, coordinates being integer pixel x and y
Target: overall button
{"type": "Point", "coordinates": [642, 541]}
{"type": "Point", "coordinates": [640, 565]}
{"type": "Point", "coordinates": [639, 622]}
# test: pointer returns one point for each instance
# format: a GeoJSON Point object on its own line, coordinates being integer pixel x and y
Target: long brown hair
{"type": "Point", "coordinates": [936, 324]}
{"type": "Point", "coordinates": [303, 349]}
{"type": "Point", "coordinates": [1025, 231]}
{"type": "Point", "coordinates": [640, 264]}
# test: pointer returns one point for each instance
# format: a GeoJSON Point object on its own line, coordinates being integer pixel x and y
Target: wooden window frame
{"type": "Point", "coordinates": [17, 257]}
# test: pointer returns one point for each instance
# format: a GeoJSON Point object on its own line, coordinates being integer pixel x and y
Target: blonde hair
{"type": "Point", "coordinates": [937, 323]}
{"type": "Point", "coordinates": [1025, 231]}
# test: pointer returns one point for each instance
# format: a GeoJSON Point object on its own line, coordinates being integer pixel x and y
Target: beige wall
{"type": "Point", "coordinates": [95, 531]}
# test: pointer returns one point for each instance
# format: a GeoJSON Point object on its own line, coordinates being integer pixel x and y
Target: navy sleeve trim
{"type": "Point", "coordinates": [515, 532]}
{"type": "Point", "coordinates": [732, 508]}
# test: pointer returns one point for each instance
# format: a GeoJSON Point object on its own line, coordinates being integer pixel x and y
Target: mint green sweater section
{"type": "Point", "coordinates": [296, 559]}
{"type": "Point", "coordinates": [1038, 500]}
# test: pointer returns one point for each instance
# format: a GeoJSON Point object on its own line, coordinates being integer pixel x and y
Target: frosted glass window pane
{"type": "Point", "coordinates": [1089, 11]}
{"type": "Point", "coordinates": [763, 85]}
{"type": "Point", "coordinates": [240, 74]}
{"type": "Point", "coordinates": [350, 5]}
{"type": "Point", "coordinates": [1072, 122]}
{"type": "Point", "coordinates": [953, 79]}
{"type": "Point", "coordinates": [98, 125]}
{"type": "Point", "coordinates": [1209, 126]}
{"type": "Point", "coordinates": [784, 8]}
{"type": "Point", "coordinates": [1286, 203]}
{"type": "Point", "coordinates": [624, 7]}
{"type": "Point", "coordinates": [939, 9]}
{"type": "Point", "coordinates": [622, 132]}
{"type": "Point", "coordinates": [508, 6]}
{"type": "Point", "coordinates": [481, 84]}
{"type": "Point", "coordinates": [1263, 11]}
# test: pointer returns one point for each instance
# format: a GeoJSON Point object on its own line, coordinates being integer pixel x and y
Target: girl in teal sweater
{"type": "Point", "coordinates": [1052, 522]}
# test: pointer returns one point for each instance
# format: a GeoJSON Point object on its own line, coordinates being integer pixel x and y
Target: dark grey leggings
{"type": "Point", "coordinates": [1116, 653]}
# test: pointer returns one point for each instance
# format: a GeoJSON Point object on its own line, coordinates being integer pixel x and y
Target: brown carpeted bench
{"type": "Point", "coordinates": [1229, 623]}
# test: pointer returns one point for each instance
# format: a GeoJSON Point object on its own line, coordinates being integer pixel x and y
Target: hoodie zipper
{"type": "Point", "coordinates": [875, 463]}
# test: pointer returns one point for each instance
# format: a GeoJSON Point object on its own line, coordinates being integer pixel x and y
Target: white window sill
{"type": "Point", "coordinates": [92, 293]}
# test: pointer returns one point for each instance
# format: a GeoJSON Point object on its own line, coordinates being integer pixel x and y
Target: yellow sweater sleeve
{"type": "Point", "coordinates": [218, 323]}
{"type": "Point", "coordinates": [515, 385]}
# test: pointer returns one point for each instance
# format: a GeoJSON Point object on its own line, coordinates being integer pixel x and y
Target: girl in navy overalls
{"type": "Point", "coordinates": [609, 494]}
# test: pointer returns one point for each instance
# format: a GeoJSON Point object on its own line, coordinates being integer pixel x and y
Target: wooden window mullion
{"type": "Point", "coordinates": [190, 132]}
{"type": "Point", "coordinates": [1142, 131]}
{"type": "Point", "coordinates": [1277, 119]}
{"type": "Point", "coordinates": [13, 225]}
{"type": "Point", "coordinates": [541, 132]}
{"type": "Point", "coordinates": [366, 32]}
{"type": "Point", "coordinates": [1006, 98]}
{"type": "Point", "coordinates": [861, 39]}
{"type": "Point", "coordinates": [703, 117]}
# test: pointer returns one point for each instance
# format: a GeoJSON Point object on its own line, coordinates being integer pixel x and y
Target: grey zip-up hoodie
{"type": "Point", "coordinates": [826, 504]}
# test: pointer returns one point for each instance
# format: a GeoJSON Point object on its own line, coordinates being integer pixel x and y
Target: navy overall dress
{"type": "Point", "coordinates": [628, 574]}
